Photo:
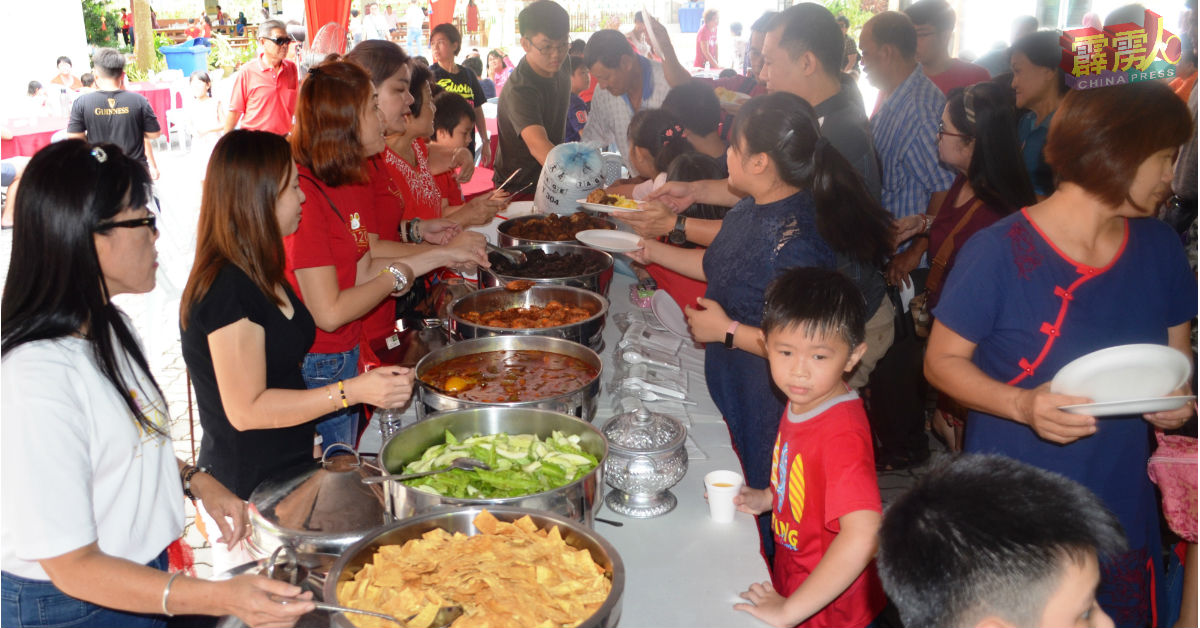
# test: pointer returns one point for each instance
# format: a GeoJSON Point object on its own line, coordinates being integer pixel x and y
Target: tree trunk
{"type": "Point", "coordinates": [143, 34]}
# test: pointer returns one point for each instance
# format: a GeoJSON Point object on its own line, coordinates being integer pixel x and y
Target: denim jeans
{"type": "Point", "coordinates": [26, 602]}
{"type": "Point", "coordinates": [414, 42]}
{"type": "Point", "coordinates": [323, 369]}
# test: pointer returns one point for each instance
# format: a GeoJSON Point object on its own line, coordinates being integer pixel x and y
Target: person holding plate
{"type": "Point", "coordinates": [1078, 272]}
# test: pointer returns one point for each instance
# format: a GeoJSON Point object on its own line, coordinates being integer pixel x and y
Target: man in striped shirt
{"type": "Point", "coordinates": [904, 128]}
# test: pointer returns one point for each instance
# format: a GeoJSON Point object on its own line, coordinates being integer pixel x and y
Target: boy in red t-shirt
{"type": "Point", "coordinates": [453, 127]}
{"type": "Point", "coordinates": [823, 497]}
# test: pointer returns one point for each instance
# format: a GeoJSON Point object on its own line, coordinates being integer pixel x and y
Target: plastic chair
{"type": "Point", "coordinates": [177, 127]}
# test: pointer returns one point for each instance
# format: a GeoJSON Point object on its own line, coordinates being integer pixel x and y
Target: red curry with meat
{"type": "Point", "coordinates": [510, 376]}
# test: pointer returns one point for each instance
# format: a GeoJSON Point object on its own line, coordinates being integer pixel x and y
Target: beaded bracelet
{"type": "Point", "coordinates": [188, 472]}
{"type": "Point", "coordinates": [329, 392]}
{"type": "Point", "coordinates": [342, 391]}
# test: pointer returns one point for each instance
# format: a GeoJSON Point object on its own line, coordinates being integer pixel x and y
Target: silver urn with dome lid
{"type": "Point", "coordinates": [646, 457]}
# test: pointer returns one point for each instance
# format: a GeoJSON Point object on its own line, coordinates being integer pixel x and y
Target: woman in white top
{"type": "Point", "coordinates": [90, 486]}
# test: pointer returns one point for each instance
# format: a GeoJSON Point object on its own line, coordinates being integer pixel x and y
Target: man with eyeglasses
{"type": "Point", "coordinates": [934, 21]}
{"type": "Point", "coordinates": [532, 114]}
{"type": "Point", "coordinates": [264, 91]}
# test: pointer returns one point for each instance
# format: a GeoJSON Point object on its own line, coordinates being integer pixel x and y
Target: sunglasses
{"type": "Point", "coordinates": [148, 221]}
{"type": "Point", "coordinates": [942, 131]}
{"type": "Point", "coordinates": [279, 41]}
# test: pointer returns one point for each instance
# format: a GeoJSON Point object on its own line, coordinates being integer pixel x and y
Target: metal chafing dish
{"type": "Point", "coordinates": [597, 281]}
{"type": "Point", "coordinates": [580, 402]}
{"type": "Point", "coordinates": [320, 507]}
{"type": "Point", "coordinates": [577, 501]}
{"type": "Point", "coordinates": [586, 332]}
{"type": "Point", "coordinates": [462, 520]}
{"type": "Point", "coordinates": [506, 239]}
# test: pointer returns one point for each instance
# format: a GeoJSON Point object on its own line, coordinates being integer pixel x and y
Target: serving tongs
{"type": "Point", "coordinates": [465, 463]}
{"type": "Point", "coordinates": [515, 257]}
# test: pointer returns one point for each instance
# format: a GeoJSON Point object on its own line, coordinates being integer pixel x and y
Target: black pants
{"type": "Point", "coordinates": [896, 408]}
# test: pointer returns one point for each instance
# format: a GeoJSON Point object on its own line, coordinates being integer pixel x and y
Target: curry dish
{"type": "Point", "coordinates": [510, 376]}
{"type": "Point", "coordinates": [555, 228]}
{"type": "Point", "coordinates": [553, 314]}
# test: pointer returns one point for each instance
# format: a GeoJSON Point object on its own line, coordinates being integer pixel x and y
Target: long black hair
{"type": "Point", "coordinates": [55, 287]}
{"type": "Point", "coordinates": [660, 133]}
{"type": "Point", "coordinates": [784, 127]}
{"type": "Point", "coordinates": [997, 172]}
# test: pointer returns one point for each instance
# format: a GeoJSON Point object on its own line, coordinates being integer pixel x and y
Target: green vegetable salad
{"type": "Point", "coordinates": [522, 464]}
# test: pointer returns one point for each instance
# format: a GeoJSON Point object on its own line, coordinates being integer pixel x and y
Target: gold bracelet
{"type": "Point", "coordinates": [342, 390]}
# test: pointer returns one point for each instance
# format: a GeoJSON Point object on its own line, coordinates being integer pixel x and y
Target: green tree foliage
{"type": "Point", "coordinates": [95, 14]}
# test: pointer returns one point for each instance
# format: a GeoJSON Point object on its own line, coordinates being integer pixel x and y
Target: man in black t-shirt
{"type": "Point", "coordinates": [532, 115]}
{"type": "Point", "coordinates": [114, 115]}
{"type": "Point", "coordinates": [445, 42]}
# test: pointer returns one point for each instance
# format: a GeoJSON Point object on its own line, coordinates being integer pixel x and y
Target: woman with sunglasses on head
{"type": "Point", "coordinates": [805, 205]}
{"type": "Point", "coordinates": [245, 332]}
{"type": "Point", "coordinates": [336, 260]}
{"type": "Point", "coordinates": [84, 540]}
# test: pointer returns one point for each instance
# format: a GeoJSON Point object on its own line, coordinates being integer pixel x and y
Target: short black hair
{"type": "Point", "coordinates": [33, 87]}
{"type": "Point", "coordinates": [763, 23]}
{"type": "Point", "coordinates": [421, 76]}
{"type": "Point", "coordinates": [87, 79]}
{"type": "Point", "coordinates": [936, 13]}
{"type": "Point", "coordinates": [61, 59]}
{"type": "Point", "coordinates": [727, 73]}
{"type": "Point", "coordinates": [1043, 50]}
{"type": "Point", "coordinates": [577, 64]}
{"type": "Point", "coordinates": [450, 32]}
{"type": "Point", "coordinates": [843, 21]}
{"type": "Point", "coordinates": [988, 535]}
{"type": "Point", "coordinates": [819, 301]}
{"type": "Point", "coordinates": [736, 28]}
{"type": "Point", "coordinates": [108, 63]}
{"type": "Point", "coordinates": [893, 28]}
{"type": "Point", "coordinates": [544, 17]}
{"type": "Point", "coordinates": [474, 64]}
{"type": "Point", "coordinates": [695, 105]}
{"type": "Point", "coordinates": [607, 47]}
{"type": "Point", "coordinates": [576, 49]}
{"type": "Point", "coordinates": [450, 110]}
{"type": "Point", "coordinates": [810, 27]}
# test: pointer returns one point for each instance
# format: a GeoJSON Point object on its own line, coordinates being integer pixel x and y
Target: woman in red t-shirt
{"type": "Point", "coordinates": [333, 261]}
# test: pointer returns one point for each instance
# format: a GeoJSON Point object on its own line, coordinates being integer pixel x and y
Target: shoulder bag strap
{"type": "Point", "coordinates": [937, 267]}
{"type": "Point", "coordinates": [317, 184]}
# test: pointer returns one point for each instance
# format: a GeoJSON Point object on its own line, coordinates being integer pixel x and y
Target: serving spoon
{"type": "Point", "coordinates": [464, 463]}
{"type": "Point", "coordinates": [445, 615]}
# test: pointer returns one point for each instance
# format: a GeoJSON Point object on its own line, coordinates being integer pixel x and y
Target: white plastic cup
{"type": "Point", "coordinates": [722, 486]}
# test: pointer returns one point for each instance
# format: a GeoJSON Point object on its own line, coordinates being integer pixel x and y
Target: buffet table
{"type": "Point", "coordinates": [681, 569]}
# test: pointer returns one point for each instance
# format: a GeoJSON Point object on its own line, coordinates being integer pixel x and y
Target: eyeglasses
{"type": "Point", "coordinates": [148, 221]}
{"type": "Point", "coordinates": [942, 131]}
{"type": "Point", "coordinates": [279, 41]}
{"type": "Point", "coordinates": [549, 49]}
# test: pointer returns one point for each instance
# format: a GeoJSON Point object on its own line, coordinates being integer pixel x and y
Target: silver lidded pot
{"type": "Point", "coordinates": [646, 457]}
{"type": "Point", "coordinates": [597, 281]}
{"type": "Point", "coordinates": [318, 508]}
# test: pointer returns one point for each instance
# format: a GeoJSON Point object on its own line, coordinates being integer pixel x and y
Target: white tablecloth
{"type": "Point", "coordinates": [681, 569]}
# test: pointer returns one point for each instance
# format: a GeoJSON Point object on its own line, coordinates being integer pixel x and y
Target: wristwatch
{"type": "Point", "coordinates": [678, 235]}
{"type": "Point", "coordinates": [399, 277]}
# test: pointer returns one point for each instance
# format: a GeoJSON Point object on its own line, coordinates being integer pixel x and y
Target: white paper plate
{"type": "Point", "coordinates": [1124, 373]}
{"type": "Point", "coordinates": [667, 311]}
{"type": "Point", "coordinates": [1136, 407]}
{"type": "Point", "coordinates": [517, 209]}
{"type": "Point", "coordinates": [608, 209]}
{"type": "Point", "coordinates": [609, 240]}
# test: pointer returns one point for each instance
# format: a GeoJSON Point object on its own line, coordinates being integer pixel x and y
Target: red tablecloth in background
{"type": "Point", "coordinates": [480, 183]}
{"type": "Point", "coordinates": [30, 135]}
{"type": "Point", "coordinates": [159, 96]}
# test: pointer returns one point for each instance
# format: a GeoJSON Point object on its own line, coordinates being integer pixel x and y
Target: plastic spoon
{"type": "Point", "coordinates": [464, 463]}
{"type": "Point", "coordinates": [650, 395]}
{"type": "Point", "coordinates": [633, 357]}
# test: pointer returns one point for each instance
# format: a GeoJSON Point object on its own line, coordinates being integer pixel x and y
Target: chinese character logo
{"type": "Point", "coordinates": [1120, 54]}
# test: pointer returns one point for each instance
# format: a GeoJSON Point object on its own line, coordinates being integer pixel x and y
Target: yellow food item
{"type": "Point", "coordinates": [455, 383]}
{"type": "Point", "coordinates": [511, 574]}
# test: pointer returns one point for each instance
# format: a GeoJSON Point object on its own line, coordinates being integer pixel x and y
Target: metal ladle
{"type": "Point", "coordinates": [445, 615]}
{"type": "Point", "coordinates": [464, 463]}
